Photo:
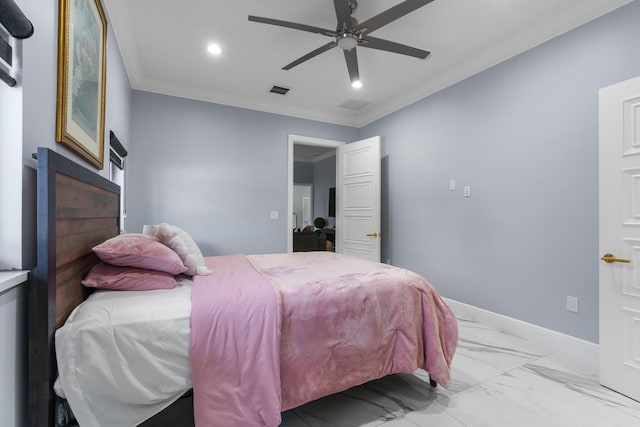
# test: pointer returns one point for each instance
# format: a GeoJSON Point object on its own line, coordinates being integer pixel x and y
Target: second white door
{"type": "Point", "coordinates": [358, 199]}
{"type": "Point", "coordinates": [620, 237]}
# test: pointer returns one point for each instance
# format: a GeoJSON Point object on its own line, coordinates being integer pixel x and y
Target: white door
{"type": "Point", "coordinates": [306, 211]}
{"type": "Point", "coordinates": [358, 199]}
{"type": "Point", "coordinates": [620, 237]}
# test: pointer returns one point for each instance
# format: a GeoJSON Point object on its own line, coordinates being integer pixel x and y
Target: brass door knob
{"type": "Point", "coordinates": [373, 235]}
{"type": "Point", "coordinates": [610, 258]}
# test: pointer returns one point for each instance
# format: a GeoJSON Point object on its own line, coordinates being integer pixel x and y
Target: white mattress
{"type": "Point", "coordinates": [124, 356]}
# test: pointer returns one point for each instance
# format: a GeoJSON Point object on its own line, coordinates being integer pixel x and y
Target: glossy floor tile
{"type": "Point", "coordinates": [497, 380]}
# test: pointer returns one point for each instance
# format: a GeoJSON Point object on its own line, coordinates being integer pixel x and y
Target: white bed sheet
{"type": "Point", "coordinates": [124, 356]}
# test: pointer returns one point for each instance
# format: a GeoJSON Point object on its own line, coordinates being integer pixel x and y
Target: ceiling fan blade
{"type": "Point", "coordinates": [343, 13]}
{"type": "Point", "coordinates": [293, 25]}
{"type": "Point", "coordinates": [391, 15]}
{"type": "Point", "coordinates": [352, 64]}
{"type": "Point", "coordinates": [310, 55]}
{"type": "Point", "coordinates": [380, 44]}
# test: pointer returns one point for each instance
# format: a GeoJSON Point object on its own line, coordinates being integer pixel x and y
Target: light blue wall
{"type": "Point", "coordinates": [302, 173]}
{"type": "Point", "coordinates": [40, 80]}
{"type": "Point", "coordinates": [524, 136]}
{"type": "Point", "coordinates": [31, 125]}
{"type": "Point", "coordinates": [40, 56]}
{"type": "Point", "coordinates": [215, 171]}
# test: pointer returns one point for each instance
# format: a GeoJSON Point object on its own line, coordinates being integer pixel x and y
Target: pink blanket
{"type": "Point", "coordinates": [338, 322]}
{"type": "Point", "coordinates": [235, 340]}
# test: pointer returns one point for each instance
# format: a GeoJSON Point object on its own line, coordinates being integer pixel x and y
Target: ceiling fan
{"type": "Point", "coordinates": [349, 34]}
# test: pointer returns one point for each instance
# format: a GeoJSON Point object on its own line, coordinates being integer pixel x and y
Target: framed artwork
{"type": "Point", "coordinates": [82, 55]}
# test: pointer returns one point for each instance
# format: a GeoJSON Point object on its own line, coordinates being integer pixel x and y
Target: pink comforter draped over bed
{"type": "Point", "coordinates": [341, 322]}
{"type": "Point", "coordinates": [235, 339]}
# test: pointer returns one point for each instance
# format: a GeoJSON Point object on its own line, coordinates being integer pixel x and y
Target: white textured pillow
{"type": "Point", "coordinates": [182, 244]}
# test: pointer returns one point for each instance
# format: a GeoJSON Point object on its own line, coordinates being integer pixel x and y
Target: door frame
{"type": "Point", "coordinates": [301, 140]}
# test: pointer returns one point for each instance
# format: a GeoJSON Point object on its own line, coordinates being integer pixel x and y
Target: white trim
{"type": "Point", "coordinates": [580, 355]}
{"type": "Point", "coordinates": [11, 279]}
{"type": "Point", "coordinates": [301, 140]}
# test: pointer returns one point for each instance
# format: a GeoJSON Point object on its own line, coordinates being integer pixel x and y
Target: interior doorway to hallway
{"type": "Point", "coordinates": [318, 152]}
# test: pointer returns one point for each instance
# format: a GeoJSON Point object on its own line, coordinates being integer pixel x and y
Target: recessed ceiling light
{"type": "Point", "coordinates": [214, 49]}
{"type": "Point", "coordinates": [356, 84]}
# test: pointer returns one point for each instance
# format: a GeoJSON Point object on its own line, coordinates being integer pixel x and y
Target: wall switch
{"type": "Point", "coordinates": [275, 214]}
{"type": "Point", "coordinates": [572, 304]}
{"type": "Point", "coordinates": [452, 185]}
{"type": "Point", "coordinates": [467, 191]}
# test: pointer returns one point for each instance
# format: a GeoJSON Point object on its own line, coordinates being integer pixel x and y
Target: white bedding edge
{"type": "Point", "coordinates": [134, 357]}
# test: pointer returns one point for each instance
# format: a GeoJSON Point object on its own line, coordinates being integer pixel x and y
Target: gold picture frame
{"type": "Point", "coordinates": [82, 72]}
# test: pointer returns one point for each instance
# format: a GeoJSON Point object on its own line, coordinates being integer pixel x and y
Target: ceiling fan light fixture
{"type": "Point", "coordinates": [356, 84]}
{"type": "Point", "coordinates": [347, 41]}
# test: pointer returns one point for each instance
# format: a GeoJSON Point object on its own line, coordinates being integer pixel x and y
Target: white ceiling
{"type": "Point", "coordinates": [163, 45]}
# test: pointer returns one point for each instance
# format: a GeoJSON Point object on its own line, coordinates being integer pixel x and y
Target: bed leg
{"type": "Point", "coordinates": [432, 383]}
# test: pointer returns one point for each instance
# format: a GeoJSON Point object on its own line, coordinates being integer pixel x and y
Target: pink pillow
{"type": "Point", "coordinates": [106, 276]}
{"type": "Point", "coordinates": [138, 250]}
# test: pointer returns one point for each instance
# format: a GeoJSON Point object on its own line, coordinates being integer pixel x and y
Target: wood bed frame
{"type": "Point", "coordinates": [76, 210]}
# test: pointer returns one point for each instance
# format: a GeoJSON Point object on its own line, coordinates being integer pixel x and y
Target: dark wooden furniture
{"type": "Point", "coordinates": [306, 241]}
{"type": "Point", "coordinates": [76, 209]}
{"type": "Point", "coordinates": [330, 235]}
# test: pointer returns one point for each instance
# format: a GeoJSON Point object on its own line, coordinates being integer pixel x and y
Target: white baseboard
{"type": "Point", "coordinates": [580, 355]}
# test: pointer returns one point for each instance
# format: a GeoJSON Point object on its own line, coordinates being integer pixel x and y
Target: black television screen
{"type": "Point", "coordinates": [332, 202]}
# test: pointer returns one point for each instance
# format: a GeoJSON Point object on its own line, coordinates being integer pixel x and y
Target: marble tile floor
{"type": "Point", "coordinates": [498, 380]}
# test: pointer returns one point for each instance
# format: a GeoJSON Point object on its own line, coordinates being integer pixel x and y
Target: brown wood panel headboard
{"type": "Point", "coordinates": [76, 210]}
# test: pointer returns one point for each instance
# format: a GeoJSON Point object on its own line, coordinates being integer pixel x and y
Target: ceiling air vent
{"type": "Point", "coordinates": [280, 90]}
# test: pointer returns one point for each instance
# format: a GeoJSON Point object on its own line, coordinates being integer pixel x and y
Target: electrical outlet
{"type": "Point", "coordinates": [467, 191]}
{"type": "Point", "coordinates": [275, 215]}
{"type": "Point", "coordinates": [572, 304]}
{"type": "Point", "coordinates": [387, 261]}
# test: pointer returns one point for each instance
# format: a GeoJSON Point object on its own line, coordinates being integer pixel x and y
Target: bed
{"type": "Point", "coordinates": [78, 209]}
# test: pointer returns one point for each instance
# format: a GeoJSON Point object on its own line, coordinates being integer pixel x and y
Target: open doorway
{"type": "Point", "coordinates": [312, 162]}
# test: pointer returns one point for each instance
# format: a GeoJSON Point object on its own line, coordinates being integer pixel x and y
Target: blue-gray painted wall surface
{"type": "Point", "coordinates": [524, 136]}
{"type": "Point", "coordinates": [215, 171]}
{"type": "Point", "coordinates": [37, 102]}
{"type": "Point", "coordinates": [302, 173]}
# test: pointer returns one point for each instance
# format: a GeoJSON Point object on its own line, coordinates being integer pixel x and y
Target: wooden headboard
{"type": "Point", "coordinates": [76, 210]}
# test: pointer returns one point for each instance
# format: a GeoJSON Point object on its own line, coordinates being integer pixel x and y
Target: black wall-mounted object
{"type": "Point", "coordinates": [117, 152]}
{"type": "Point", "coordinates": [332, 202]}
{"type": "Point", "coordinates": [5, 77]}
{"type": "Point", "coordinates": [6, 51]}
{"type": "Point", "coordinates": [116, 145]}
{"type": "Point", "coordinates": [12, 18]}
